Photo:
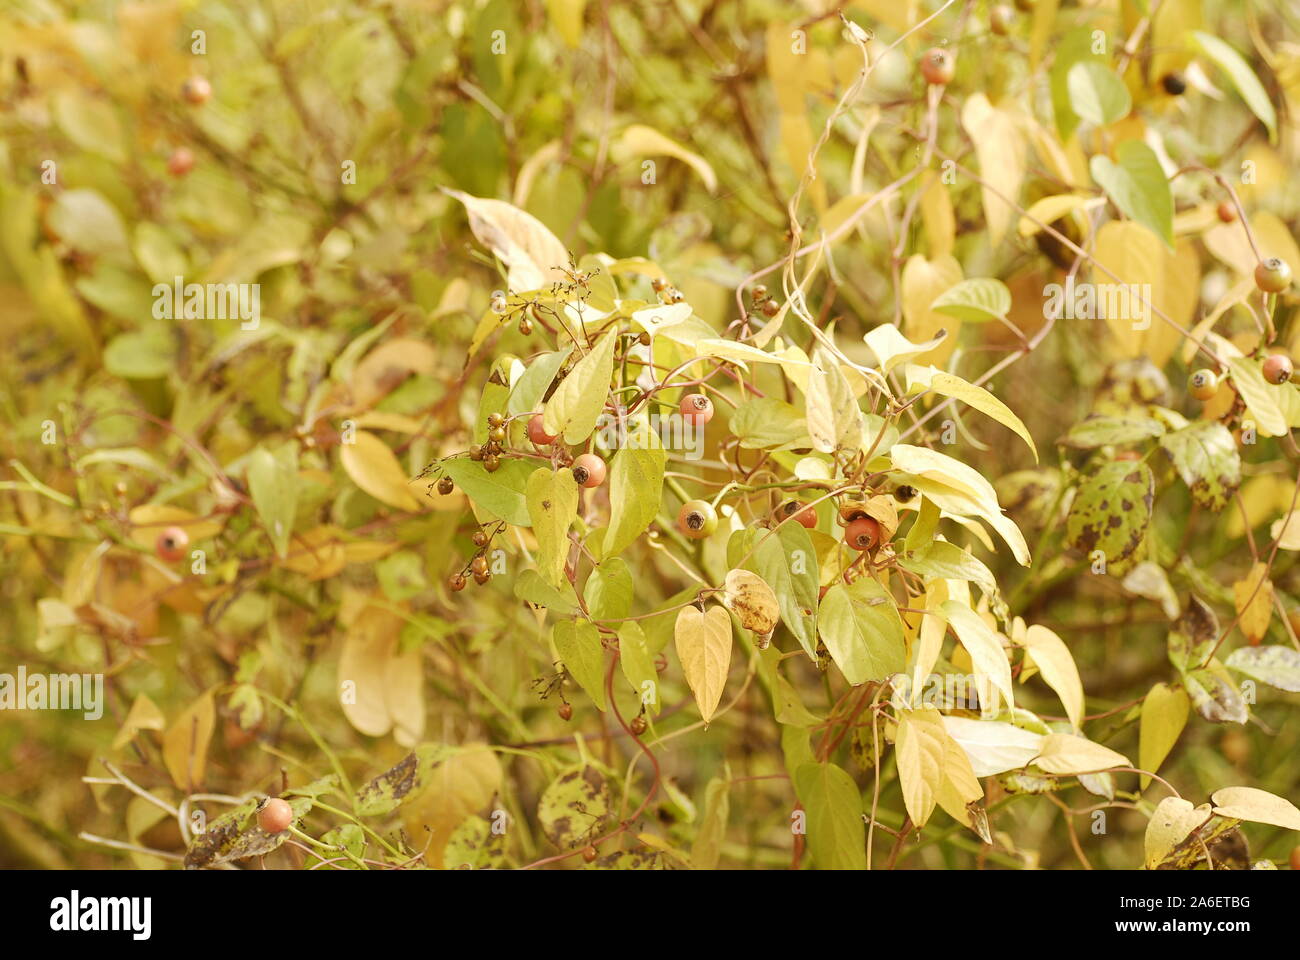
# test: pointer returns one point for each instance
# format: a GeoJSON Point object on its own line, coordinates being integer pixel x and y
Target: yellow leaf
{"type": "Point", "coordinates": [317, 554]}
{"type": "Point", "coordinates": [1065, 753]}
{"type": "Point", "coordinates": [380, 420]}
{"type": "Point", "coordinates": [1050, 209]}
{"type": "Point", "coordinates": [1054, 662]}
{"type": "Point", "coordinates": [380, 688]}
{"type": "Point", "coordinates": [461, 785]}
{"type": "Point", "coordinates": [936, 214]}
{"type": "Point", "coordinates": [749, 597]}
{"type": "Point", "coordinates": [375, 469]}
{"type": "Point", "coordinates": [1254, 602]}
{"type": "Point", "coordinates": [1257, 806]}
{"type": "Point", "coordinates": [533, 256]}
{"type": "Point", "coordinates": [988, 659]}
{"type": "Point", "coordinates": [892, 348]}
{"type": "Point", "coordinates": [1228, 242]}
{"type": "Point", "coordinates": [703, 643]}
{"type": "Point", "coordinates": [143, 715]}
{"type": "Point", "coordinates": [1164, 714]}
{"type": "Point", "coordinates": [567, 17]}
{"type": "Point", "coordinates": [922, 281]}
{"type": "Point", "coordinates": [1171, 823]}
{"type": "Point", "coordinates": [150, 519]}
{"type": "Point", "coordinates": [639, 140]}
{"type": "Point", "coordinates": [1001, 148]}
{"type": "Point", "coordinates": [933, 768]}
{"type": "Point", "coordinates": [185, 744]}
{"type": "Point", "coordinates": [921, 378]}
{"type": "Point", "coordinates": [387, 365]}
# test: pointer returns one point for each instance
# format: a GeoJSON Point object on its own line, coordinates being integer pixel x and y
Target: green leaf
{"type": "Point", "coordinates": [273, 485]}
{"type": "Point", "coordinates": [1243, 78]}
{"type": "Point", "coordinates": [1097, 94]}
{"type": "Point", "coordinates": [501, 493]}
{"type": "Point", "coordinates": [636, 477]}
{"type": "Point", "coordinates": [837, 837]}
{"type": "Point", "coordinates": [552, 506]}
{"type": "Point", "coordinates": [707, 847]}
{"type": "Point", "coordinates": [608, 592]}
{"type": "Point", "coordinates": [638, 665]}
{"type": "Point", "coordinates": [578, 645]}
{"type": "Point", "coordinates": [1100, 431]}
{"type": "Point", "coordinates": [145, 354]}
{"type": "Point", "coordinates": [401, 575]}
{"type": "Point", "coordinates": [1138, 186]}
{"type": "Point", "coordinates": [531, 587]}
{"type": "Point", "coordinates": [404, 782]}
{"type": "Point", "coordinates": [787, 561]}
{"type": "Point", "coordinates": [1275, 665]}
{"type": "Point", "coordinates": [975, 301]}
{"type": "Point", "coordinates": [947, 561]}
{"type": "Point", "coordinates": [860, 625]}
{"type": "Point", "coordinates": [766, 422]}
{"type": "Point", "coordinates": [1111, 512]}
{"type": "Point", "coordinates": [526, 397]}
{"type": "Point", "coordinates": [1072, 47]}
{"type": "Point", "coordinates": [1206, 457]}
{"type": "Point", "coordinates": [576, 404]}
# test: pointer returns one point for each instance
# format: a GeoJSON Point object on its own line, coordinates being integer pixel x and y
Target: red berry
{"type": "Point", "coordinates": [589, 470]}
{"type": "Point", "coordinates": [937, 66]}
{"type": "Point", "coordinates": [863, 533]}
{"type": "Point", "coordinates": [589, 854]}
{"type": "Point", "coordinates": [171, 544]}
{"type": "Point", "coordinates": [1272, 275]}
{"type": "Point", "coordinates": [801, 513]}
{"type": "Point", "coordinates": [457, 582]}
{"type": "Point", "coordinates": [1277, 368]}
{"type": "Point", "coordinates": [275, 815]}
{"type": "Point", "coordinates": [537, 433]}
{"type": "Point", "coordinates": [196, 90]}
{"type": "Point", "coordinates": [1295, 859]}
{"type": "Point", "coordinates": [1227, 212]}
{"type": "Point", "coordinates": [696, 408]}
{"type": "Point", "coordinates": [638, 725]}
{"type": "Point", "coordinates": [565, 711]}
{"type": "Point", "coordinates": [180, 162]}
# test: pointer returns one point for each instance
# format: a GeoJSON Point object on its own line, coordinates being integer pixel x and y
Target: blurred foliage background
{"type": "Point", "coordinates": [316, 172]}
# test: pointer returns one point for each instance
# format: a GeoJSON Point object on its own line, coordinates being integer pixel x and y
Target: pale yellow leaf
{"type": "Point", "coordinates": [1001, 148]}
{"type": "Point", "coordinates": [1254, 601]}
{"type": "Point", "coordinates": [920, 379]}
{"type": "Point", "coordinates": [1164, 714]}
{"type": "Point", "coordinates": [375, 469]}
{"type": "Point", "coordinates": [1065, 753]}
{"type": "Point", "coordinates": [703, 642]}
{"type": "Point", "coordinates": [1054, 662]}
{"type": "Point", "coordinates": [639, 141]}
{"type": "Point", "coordinates": [533, 256]}
{"type": "Point", "coordinates": [1257, 806]}
{"type": "Point", "coordinates": [186, 742]}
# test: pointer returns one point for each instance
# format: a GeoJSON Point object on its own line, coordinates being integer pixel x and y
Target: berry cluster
{"type": "Point", "coordinates": [478, 564]}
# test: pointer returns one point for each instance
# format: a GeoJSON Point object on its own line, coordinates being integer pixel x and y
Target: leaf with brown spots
{"type": "Point", "coordinates": [392, 788]}
{"type": "Point", "coordinates": [574, 807]}
{"type": "Point", "coordinates": [1111, 513]}
{"type": "Point", "coordinates": [1206, 457]}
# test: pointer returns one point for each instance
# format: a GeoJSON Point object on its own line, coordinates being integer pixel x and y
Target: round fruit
{"type": "Point", "coordinates": [1277, 368]}
{"type": "Point", "coordinates": [1203, 384]}
{"type": "Point", "coordinates": [525, 326]}
{"type": "Point", "coordinates": [937, 66]}
{"type": "Point", "coordinates": [1174, 84]}
{"type": "Point", "coordinates": [644, 338]}
{"type": "Point", "coordinates": [180, 162]}
{"type": "Point", "coordinates": [770, 307]}
{"type": "Point", "coordinates": [171, 544]}
{"type": "Point", "coordinates": [589, 470]}
{"type": "Point", "coordinates": [495, 420]}
{"type": "Point", "coordinates": [1227, 212]}
{"type": "Point", "coordinates": [697, 519]}
{"type": "Point", "coordinates": [497, 434]}
{"type": "Point", "coordinates": [638, 725]}
{"type": "Point", "coordinates": [480, 538]}
{"type": "Point", "coordinates": [482, 578]}
{"type": "Point", "coordinates": [802, 513]}
{"type": "Point", "coordinates": [537, 433]}
{"type": "Point", "coordinates": [1001, 19]}
{"type": "Point", "coordinates": [863, 533]}
{"type": "Point", "coordinates": [696, 408]}
{"type": "Point", "coordinates": [1272, 275]}
{"type": "Point", "coordinates": [589, 854]}
{"type": "Point", "coordinates": [905, 493]}
{"type": "Point", "coordinates": [275, 815]}
{"type": "Point", "coordinates": [456, 582]}
{"type": "Point", "coordinates": [196, 90]}
{"type": "Point", "coordinates": [565, 711]}
{"type": "Point", "coordinates": [490, 462]}
{"type": "Point", "coordinates": [658, 284]}
{"type": "Point", "coordinates": [446, 485]}
{"type": "Point", "coordinates": [676, 296]}
{"type": "Point", "coordinates": [759, 293]}
{"type": "Point", "coordinates": [479, 564]}
{"type": "Point", "coordinates": [476, 453]}
{"type": "Point", "coordinates": [1295, 859]}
